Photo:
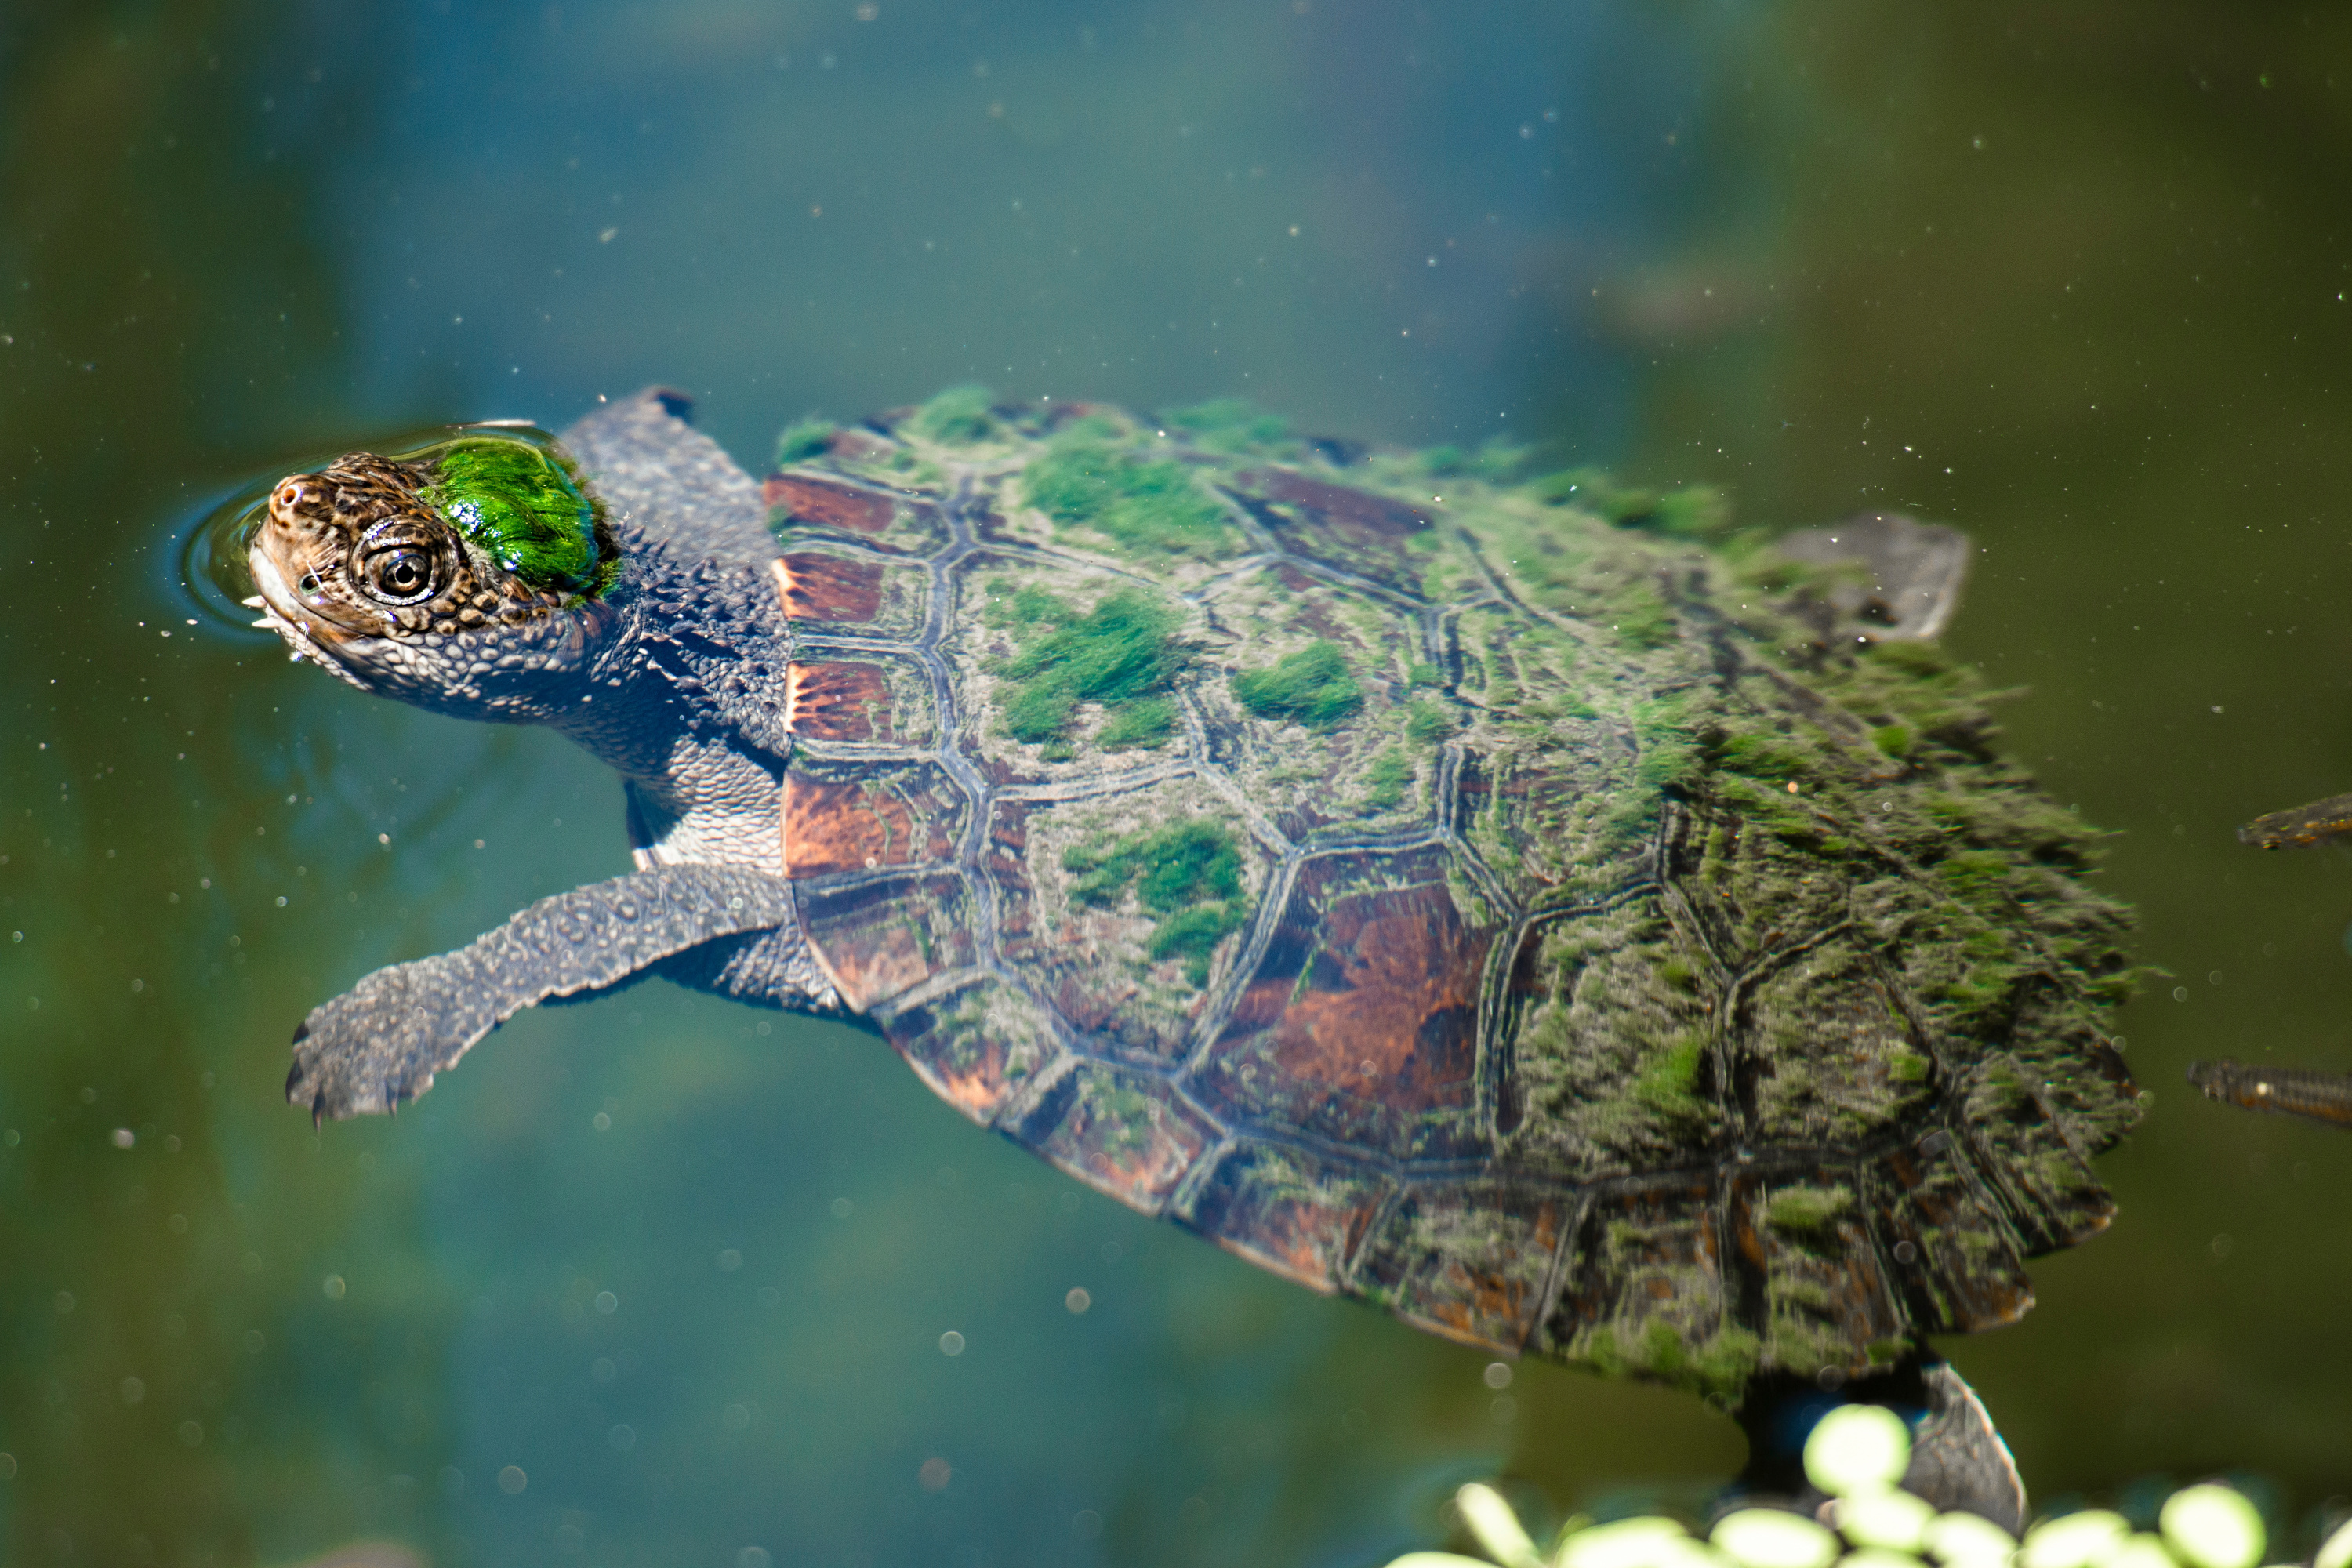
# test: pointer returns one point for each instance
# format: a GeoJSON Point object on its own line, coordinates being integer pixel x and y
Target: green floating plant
{"type": "Point", "coordinates": [1857, 1455]}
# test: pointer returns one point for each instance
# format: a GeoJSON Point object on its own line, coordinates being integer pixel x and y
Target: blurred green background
{"type": "Point", "coordinates": [656, 1280]}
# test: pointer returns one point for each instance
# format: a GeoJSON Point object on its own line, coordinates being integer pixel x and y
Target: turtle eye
{"type": "Point", "coordinates": [400, 575]}
{"type": "Point", "coordinates": [289, 495]}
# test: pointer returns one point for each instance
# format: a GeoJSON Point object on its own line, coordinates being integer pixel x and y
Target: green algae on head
{"type": "Point", "coordinates": [519, 502]}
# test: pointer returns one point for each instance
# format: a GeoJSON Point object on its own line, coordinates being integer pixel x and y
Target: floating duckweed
{"type": "Point", "coordinates": [2073, 1540]}
{"type": "Point", "coordinates": [1771, 1538]}
{"type": "Point", "coordinates": [1647, 1542]}
{"type": "Point", "coordinates": [2213, 1527]}
{"type": "Point", "coordinates": [2336, 1551]}
{"type": "Point", "coordinates": [1497, 1528]}
{"type": "Point", "coordinates": [1969, 1540]}
{"type": "Point", "coordinates": [1877, 1557]}
{"type": "Point", "coordinates": [520, 503]}
{"type": "Point", "coordinates": [1313, 685]}
{"type": "Point", "coordinates": [1891, 1520]}
{"type": "Point", "coordinates": [1859, 1449]}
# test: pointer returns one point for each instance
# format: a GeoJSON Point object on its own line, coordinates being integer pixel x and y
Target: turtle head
{"type": "Point", "coordinates": [468, 577]}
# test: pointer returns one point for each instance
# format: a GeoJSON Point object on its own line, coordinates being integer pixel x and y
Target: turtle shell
{"type": "Point", "coordinates": [1509, 901]}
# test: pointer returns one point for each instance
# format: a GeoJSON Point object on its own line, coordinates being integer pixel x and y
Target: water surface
{"type": "Point", "coordinates": [681, 1272]}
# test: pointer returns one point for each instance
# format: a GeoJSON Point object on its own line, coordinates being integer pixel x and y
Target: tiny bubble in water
{"type": "Point", "coordinates": [1498, 1374]}
{"type": "Point", "coordinates": [622, 1437]}
{"type": "Point", "coordinates": [607, 1303]}
{"type": "Point", "coordinates": [753, 1557]}
{"type": "Point", "coordinates": [952, 1343]}
{"type": "Point", "coordinates": [124, 1138]}
{"type": "Point", "coordinates": [729, 1260]}
{"type": "Point", "coordinates": [332, 1287]}
{"type": "Point", "coordinates": [1077, 1301]}
{"type": "Point", "coordinates": [511, 1480]}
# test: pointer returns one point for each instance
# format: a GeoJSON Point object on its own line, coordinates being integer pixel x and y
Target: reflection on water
{"type": "Point", "coordinates": [1819, 255]}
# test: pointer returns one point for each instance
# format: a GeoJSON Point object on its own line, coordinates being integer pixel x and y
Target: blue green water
{"type": "Point", "coordinates": [2072, 280]}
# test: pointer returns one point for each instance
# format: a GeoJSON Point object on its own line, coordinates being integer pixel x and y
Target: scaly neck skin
{"type": "Point", "coordinates": [695, 796]}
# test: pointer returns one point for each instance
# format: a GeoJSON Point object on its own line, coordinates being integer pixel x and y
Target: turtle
{"type": "Point", "coordinates": [1579, 923]}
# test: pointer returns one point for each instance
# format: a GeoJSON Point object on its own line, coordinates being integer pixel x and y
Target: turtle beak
{"type": "Point", "coordinates": [277, 559]}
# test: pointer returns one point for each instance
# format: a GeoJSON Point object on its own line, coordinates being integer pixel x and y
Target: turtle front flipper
{"type": "Point", "coordinates": [382, 1042]}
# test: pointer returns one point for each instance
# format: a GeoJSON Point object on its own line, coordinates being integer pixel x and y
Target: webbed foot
{"type": "Point", "coordinates": [383, 1041]}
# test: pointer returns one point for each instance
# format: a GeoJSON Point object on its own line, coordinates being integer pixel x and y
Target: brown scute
{"type": "Point", "coordinates": [828, 588]}
{"type": "Point", "coordinates": [822, 502]}
{"type": "Point", "coordinates": [975, 1045]}
{"type": "Point", "coordinates": [837, 702]}
{"type": "Point", "coordinates": [1363, 1017]}
{"type": "Point", "coordinates": [1351, 515]}
{"type": "Point", "coordinates": [1289, 1212]}
{"type": "Point", "coordinates": [1334, 526]}
{"type": "Point", "coordinates": [881, 941]}
{"type": "Point", "coordinates": [1123, 1133]}
{"type": "Point", "coordinates": [832, 826]}
{"type": "Point", "coordinates": [1467, 1260]}
{"type": "Point", "coordinates": [1961, 1274]}
{"type": "Point", "coordinates": [1642, 1286]}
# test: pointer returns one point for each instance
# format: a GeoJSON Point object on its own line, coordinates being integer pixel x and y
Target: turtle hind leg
{"type": "Point", "coordinates": [1957, 1457]}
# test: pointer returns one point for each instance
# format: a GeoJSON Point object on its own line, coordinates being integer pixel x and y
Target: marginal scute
{"type": "Point", "coordinates": [1959, 1265]}
{"type": "Point", "coordinates": [2048, 1190]}
{"type": "Point", "coordinates": [803, 506]}
{"type": "Point", "coordinates": [844, 594]}
{"type": "Point", "coordinates": [1804, 1241]}
{"type": "Point", "coordinates": [1467, 1259]}
{"type": "Point", "coordinates": [861, 698]}
{"type": "Point", "coordinates": [1643, 1288]}
{"type": "Point", "coordinates": [977, 1044]}
{"type": "Point", "coordinates": [1286, 1210]}
{"type": "Point", "coordinates": [1123, 1132]}
{"type": "Point", "coordinates": [877, 939]}
{"type": "Point", "coordinates": [848, 814]}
